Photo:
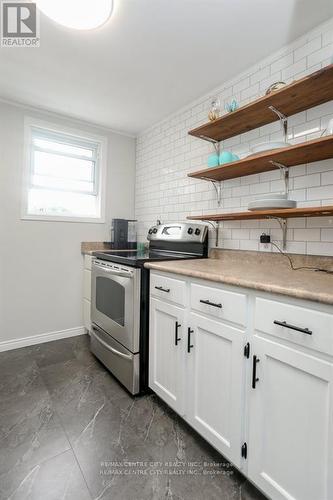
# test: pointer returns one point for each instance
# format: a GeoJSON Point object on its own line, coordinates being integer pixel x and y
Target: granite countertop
{"type": "Point", "coordinates": [268, 272]}
{"type": "Point", "coordinates": [90, 247]}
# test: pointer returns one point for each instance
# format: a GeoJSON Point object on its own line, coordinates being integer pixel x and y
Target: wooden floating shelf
{"type": "Point", "coordinates": [300, 95]}
{"type": "Point", "coordinates": [286, 213]}
{"type": "Point", "coordinates": [306, 152]}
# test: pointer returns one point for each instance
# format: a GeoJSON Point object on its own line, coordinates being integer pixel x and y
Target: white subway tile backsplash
{"type": "Point", "coordinates": [308, 48]}
{"type": "Point", "coordinates": [327, 37]}
{"type": "Point", "coordinates": [327, 178]}
{"type": "Point", "coordinates": [307, 234]}
{"type": "Point", "coordinates": [327, 235]}
{"type": "Point", "coordinates": [306, 181]}
{"type": "Point", "coordinates": [260, 75]}
{"type": "Point", "coordinates": [295, 69]}
{"type": "Point", "coordinates": [320, 55]}
{"type": "Point", "coordinates": [166, 154]}
{"type": "Point", "coordinates": [320, 193]}
{"type": "Point", "coordinates": [320, 248]}
{"type": "Point", "coordinates": [282, 63]}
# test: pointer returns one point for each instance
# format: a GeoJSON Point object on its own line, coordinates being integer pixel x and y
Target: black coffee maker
{"type": "Point", "coordinates": [123, 234]}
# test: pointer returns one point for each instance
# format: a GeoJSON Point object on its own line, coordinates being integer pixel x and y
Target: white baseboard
{"type": "Point", "coordinates": [8, 345]}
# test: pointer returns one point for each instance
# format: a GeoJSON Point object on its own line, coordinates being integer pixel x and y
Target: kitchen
{"type": "Point", "coordinates": [168, 333]}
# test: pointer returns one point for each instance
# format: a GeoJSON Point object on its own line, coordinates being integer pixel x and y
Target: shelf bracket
{"type": "Point", "coordinates": [284, 171]}
{"type": "Point", "coordinates": [215, 143]}
{"type": "Point", "coordinates": [218, 190]}
{"type": "Point", "coordinates": [209, 139]}
{"type": "Point", "coordinates": [216, 228]}
{"type": "Point", "coordinates": [283, 120]}
{"type": "Point", "coordinates": [284, 226]}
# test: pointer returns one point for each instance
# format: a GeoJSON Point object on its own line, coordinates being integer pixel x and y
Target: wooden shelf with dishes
{"type": "Point", "coordinates": [306, 152]}
{"type": "Point", "coordinates": [298, 96]}
{"type": "Point", "coordinates": [285, 213]}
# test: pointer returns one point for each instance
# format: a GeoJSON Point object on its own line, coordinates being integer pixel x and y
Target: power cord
{"type": "Point", "coordinates": [316, 269]}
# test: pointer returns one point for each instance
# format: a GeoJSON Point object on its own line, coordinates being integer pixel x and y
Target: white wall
{"type": "Point", "coordinates": [166, 154]}
{"type": "Point", "coordinates": [40, 262]}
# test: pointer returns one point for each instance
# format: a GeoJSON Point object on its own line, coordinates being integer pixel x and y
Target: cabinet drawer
{"type": "Point", "coordinates": [166, 288]}
{"type": "Point", "coordinates": [316, 326]}
{"type": "Point", "coordinates": [88, 262]}
{"type": "Point", "coordinates": [222, 304]}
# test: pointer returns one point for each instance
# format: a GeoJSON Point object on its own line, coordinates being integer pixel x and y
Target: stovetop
{"type": "Point", "coordinates": [137, 258]}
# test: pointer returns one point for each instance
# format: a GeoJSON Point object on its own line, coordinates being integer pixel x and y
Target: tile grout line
{"type": "Point", "coordinates": [66, 434]}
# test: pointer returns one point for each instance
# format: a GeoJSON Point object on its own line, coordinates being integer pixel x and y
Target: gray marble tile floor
{"type": "Point", "coordinates": [69, 431]}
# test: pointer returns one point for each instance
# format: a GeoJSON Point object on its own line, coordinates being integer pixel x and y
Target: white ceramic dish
{"type": "Point", "coordinates": [272, 196]}
{"type": "Point", "coordinates": [268, 146]}
{"type": "Point", "coordinates": [271, 204]}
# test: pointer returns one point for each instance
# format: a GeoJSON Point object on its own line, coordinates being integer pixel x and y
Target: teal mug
{"type": "Point", "coordinates": [213, 160]}
{"type": "Point", "coordinates": [227, 157]}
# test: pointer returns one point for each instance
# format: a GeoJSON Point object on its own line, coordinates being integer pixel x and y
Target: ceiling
{"type": "Point", "coordinates": [152, 57]}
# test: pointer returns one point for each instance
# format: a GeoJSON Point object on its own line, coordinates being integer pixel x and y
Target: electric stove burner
{"type": "Point", "coordinates": [138, 258]}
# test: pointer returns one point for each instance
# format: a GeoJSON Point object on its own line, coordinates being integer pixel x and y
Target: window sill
{"type": "Point", "coordinates": [53, 218]}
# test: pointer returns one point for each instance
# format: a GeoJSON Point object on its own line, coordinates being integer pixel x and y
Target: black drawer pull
{"type": "Point", "coordinates": [189, 345]}
{"type": "Point", "coordinates": [167, 290]}
{"type": "Point", "coordinates": [177, 339]}
{"type": "Point", "coordinates": [209, 303]}
{"type": "Point", "coordinates": [292, 327]}
{"type": "Point", "coordinates": [254, 371]}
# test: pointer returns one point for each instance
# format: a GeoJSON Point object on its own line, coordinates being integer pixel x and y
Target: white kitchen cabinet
{"type": "Point", "coordinates": [268, 409]}
{"type": "Point", "coordinates": [291, 423]}
{"type": "Point", "coordinates": [87, 262]}
{"type": "Point", "coordinates": [166, 367]}
{"type": "Point", "coordinates": [215, 384]}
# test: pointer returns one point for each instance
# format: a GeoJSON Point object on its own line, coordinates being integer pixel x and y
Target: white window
{"type": "Point", "coordinates": [65, 174]}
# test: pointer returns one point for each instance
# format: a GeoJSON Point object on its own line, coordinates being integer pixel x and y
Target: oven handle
{"type": "Point", "coordinates": [113, 272]}
{"type": "Point", "coordinates": [109, 348]}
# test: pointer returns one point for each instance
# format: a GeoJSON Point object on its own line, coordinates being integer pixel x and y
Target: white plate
{"type": "Point", "coordinates": [268, 146]}
{"type": "Point", "coordinates": [271, 196]}
{"type": "Point", "coordinates": [271, 204]}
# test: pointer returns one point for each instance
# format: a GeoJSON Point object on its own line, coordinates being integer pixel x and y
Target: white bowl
{"type": "Point", "coordinates": [268, 146]}
{"type": "Point", "coordinates": [271, 204]}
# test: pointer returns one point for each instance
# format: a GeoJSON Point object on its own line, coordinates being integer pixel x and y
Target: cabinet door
{"type": "Point", "coordinates": [216, 366]}
{"type": "Point", "coordinates": [166, 339]}
{"type": "Point", "coordinates": [290, 433]}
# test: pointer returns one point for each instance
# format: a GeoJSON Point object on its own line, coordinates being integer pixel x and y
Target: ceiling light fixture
{"type": "Point", "coordinates": [77, 14]}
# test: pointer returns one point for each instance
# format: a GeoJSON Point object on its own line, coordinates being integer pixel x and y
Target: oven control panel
{"type": "Point", "coordinates": [115, 269]}
{"type": "Point", "coordinates": [182, 231]}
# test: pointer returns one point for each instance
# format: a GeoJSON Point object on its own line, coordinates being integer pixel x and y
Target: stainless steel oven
{"type": "Point", "coordinates": [120, 299]}
{"type": "Point", "coordinates": [115, 314]}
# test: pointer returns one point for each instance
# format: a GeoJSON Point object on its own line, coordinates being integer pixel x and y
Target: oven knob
{"type": "Point", "coordinates": [197, 232]}
{"type": "Point", "coordinates": [190, 230]}
{"type": "Point", "coordinates": [155, 230]}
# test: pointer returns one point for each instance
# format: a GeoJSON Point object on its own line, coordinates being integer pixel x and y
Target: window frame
{"type": "Point", "coordinates": [79, 137]}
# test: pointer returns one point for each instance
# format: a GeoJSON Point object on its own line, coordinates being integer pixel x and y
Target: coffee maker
{"type": "Point", "coordinates": [123, 234]}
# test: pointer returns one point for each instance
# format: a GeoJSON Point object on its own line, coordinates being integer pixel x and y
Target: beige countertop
{"type": "Point", "coordinates": [268, 272]}
{"type": "Point", "coordinates": [89, 247]}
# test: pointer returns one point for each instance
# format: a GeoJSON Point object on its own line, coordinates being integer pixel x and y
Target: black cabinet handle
{"type": "Point", "coordinates": [254, 371]}
{"type": "Point", "coordinates": [167, 290]}
{"type": "Point", "coordinates": [177, 339]}
{"type": "Point", "coordinates": [292, 327]}
{"type": "Point", "coordinates": [209, 303]}
{"type": "Point", "coordinates": [189, 345]}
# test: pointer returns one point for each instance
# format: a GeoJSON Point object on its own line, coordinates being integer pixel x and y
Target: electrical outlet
{"type": "Point", "coordinates": [265, 238]}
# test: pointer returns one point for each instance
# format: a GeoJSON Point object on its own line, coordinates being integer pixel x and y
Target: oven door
{"type": "Point", "coordinates": [115, 303]}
